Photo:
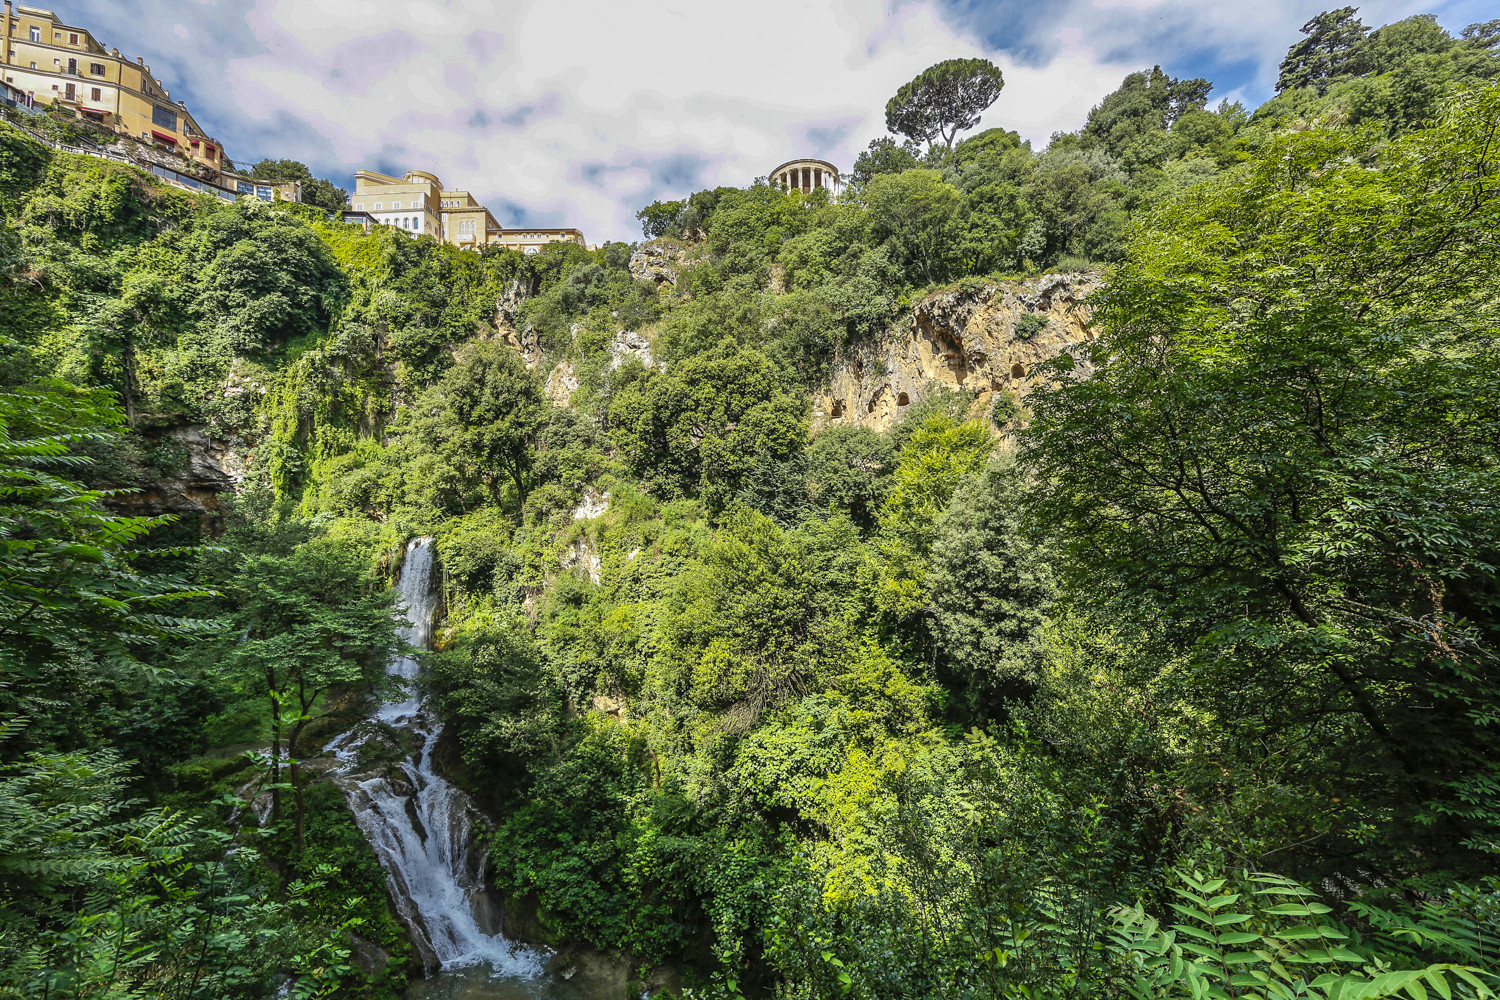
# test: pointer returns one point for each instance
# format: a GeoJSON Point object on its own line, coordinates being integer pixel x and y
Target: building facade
{"type": "Point", "coordinates": [807, 176]}
{"type": "Point", "coordinates": [418, 204]}
{"type": "Point", "coordinates": [532, 239]}
{"type": "Point", "coordinates": [51, 62]}
{"type": "Point", "coordinates": [466, 223]}
{"type": "Point", "coordinates": [411, 202]}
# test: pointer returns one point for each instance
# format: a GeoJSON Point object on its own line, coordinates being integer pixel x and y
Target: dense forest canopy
{"type": "Point", "coordinates": [1172, 671]}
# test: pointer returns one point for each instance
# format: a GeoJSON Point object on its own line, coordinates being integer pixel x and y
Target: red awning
{"type": "Point", "coordinates": [164, 137]}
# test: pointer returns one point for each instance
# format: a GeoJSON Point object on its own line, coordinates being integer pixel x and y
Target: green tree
{"type": "Point", "coordinates": [1330, 51]}
{"type": "Point", "coordinates": [943, 100]}
{"type": "Point", "coordinates": [1132, 122]}
{"type": "Point", "coordinates": [706, 421]}
{"type": "Point", "coordinates": [992, 586]}
{"type": "Point", "coordinates": [661, 218]}
{"type": "Point", "coordinates": [71, 580]}
{"type": "Point", "coordinates": [315, 190]}
{"type": "Point", "coordinates": [483, 417]}
{"type": "Point", "coordinates": [101, 899]}
{"type": "Point", "coordinates": [914, 210]}
{"type": "Point", "coordinates": [311, 620]}
{"type": "Point", "coordinates": [262, 276]}
{"type": "Point", "coordinates": [933, 463]}
{"type": "Point", "coordinates": [849, 470]}
{"type": "Point", "coordinates": [1293, 484]}
{"type": "Point", "coordinates": [884, 156]}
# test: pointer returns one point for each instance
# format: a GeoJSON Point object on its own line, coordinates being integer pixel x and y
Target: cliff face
{"type": "Point", "coordinates": [203, 467]}
{"type": "Point", "coordinates": [984, 337]}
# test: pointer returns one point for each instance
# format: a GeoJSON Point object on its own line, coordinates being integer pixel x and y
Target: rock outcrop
{"type": "Point", "coordinates": [661, 261]}
{"type": "Point", "coordinates": [561, 384]}
{"type": "Point", "coordinates": [974, 337]}
{"type": "Point", "coordinates": [203, 467]}
{"type": "Point", "coordinates": [627, 345]}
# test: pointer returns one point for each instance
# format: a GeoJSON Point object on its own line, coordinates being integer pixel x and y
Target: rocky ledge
{"type": "Point", "coordinates": [985, 337]}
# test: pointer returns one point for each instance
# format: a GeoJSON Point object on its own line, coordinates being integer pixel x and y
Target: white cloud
{"type": "Point", "coordinates": [582, 112]}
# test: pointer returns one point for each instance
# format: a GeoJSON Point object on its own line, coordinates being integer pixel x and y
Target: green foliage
{"type": "Point", "coordinates": [1266, 936]}
{"type": "Point", "coordinates": [884, 156]}
{"type": "Point", "coordinates": [661, 218]}
{"type": "Point", "coordinates": [1331, 50]}
{"type": "Point", "coordinates": [943, 100]}
{"type": "Point", "coordinates": [992, 587]}
{"type": "Point", "coordinates": [914, 209]}
{"type": "Point", "coordinates": [315, 191]}
{"type": "Point", "coordinates": [866, 714]}
{"type": "Point", "coordinates": [1275, 505]}
{"type": "Point", "coordinates": [482, 417]}
{"type": "Point", "coordinates": [72, 582]}
{"type": "Point", "coordinates": [702, 424]}
{"type": "Point", "coordinates": [96, 901]}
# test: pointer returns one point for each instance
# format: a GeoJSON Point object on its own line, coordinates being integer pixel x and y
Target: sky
{"type": "Point", "coordinates": [580, 112]}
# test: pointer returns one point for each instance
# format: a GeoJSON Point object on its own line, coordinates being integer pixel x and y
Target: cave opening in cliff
{"type": "Point", "coordinates": [1018, 370]}
{"type": "Point", "coordinates": [903, 400]}
{"type": "Point", "coordinates": [838, 409]}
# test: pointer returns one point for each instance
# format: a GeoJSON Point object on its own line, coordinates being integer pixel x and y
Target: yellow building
{"type": "Point", "coordinates": [466, 223]}
{"type": "Point", "coordinates": [531, 240]}
{"type": "Point", "coordinates": [52, 62]}
{"type": "Point", "coordinates": [417, 203]}
{"type": "Point", "coordinates": [410, 202]}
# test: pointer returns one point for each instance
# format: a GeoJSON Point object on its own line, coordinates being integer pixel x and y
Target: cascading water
{"type": "Point", "coordinates": [420, 825]}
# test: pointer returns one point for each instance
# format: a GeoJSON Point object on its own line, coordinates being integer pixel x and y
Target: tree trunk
{"type": "Point", "coordinates": [275, 747]}
{"type": "Point", "coordinates": [127, 361]}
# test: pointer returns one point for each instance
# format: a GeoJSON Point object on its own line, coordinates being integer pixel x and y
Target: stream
{"type": "Point", "coordinates": [422, 827]}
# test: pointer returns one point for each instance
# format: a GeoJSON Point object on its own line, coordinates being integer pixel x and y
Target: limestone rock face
{"type": "Point", "coordinates": [561, 384]}
{"type": "Point", "coordinates": [661, 261]}
{"type": "Point", "coordinates": [208, 466]}
{"type": "Point", "coordinates": [627, 345]}
{"type": "Point", "coordinates": [974, 337]}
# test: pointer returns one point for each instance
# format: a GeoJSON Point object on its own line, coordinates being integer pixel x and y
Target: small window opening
{"type": "Point", "coordinates": [1018, 370]}
{"type": "Point", "coordinates": [903, 400]}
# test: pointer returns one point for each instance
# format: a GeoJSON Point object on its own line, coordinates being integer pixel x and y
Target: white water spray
{"type": "Point", "coordinates": [420, 825]}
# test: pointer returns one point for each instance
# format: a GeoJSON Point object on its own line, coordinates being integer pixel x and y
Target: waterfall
{"type": "Point", "coordinates": [420, 825]}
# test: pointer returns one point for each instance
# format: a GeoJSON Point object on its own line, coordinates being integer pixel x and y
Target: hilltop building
{"type": "Point", "coordinates": [807, 176]}
{"type": "Point", "coordinates": [45, 61]}
{"type": "Point", "coordinates": [417, 203]}
{"type": "Point", "coordinates": [411, 202]}
{"type": "Point", "coordinates": [533, 239]}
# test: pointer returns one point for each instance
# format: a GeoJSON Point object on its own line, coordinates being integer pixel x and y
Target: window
{"type": "Point", "coordinates": [72, 38]}
{"type": "Point", "coordinates": [96, 69]}
{"type": "Point", "coordinates": [377, 206]}
{"type": "Point", "coordinates": [72, 94]}
{"type": "Point", "coordinates": [97, 94]}
{"type": "Point", "coordinates": [36, 34]}
{"type": "Point", "coordinates": [33, 65]}
{"type": "Point", "coordinates": [164, 118]}
{"type": "Point", "coordinates": [359, 207]}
